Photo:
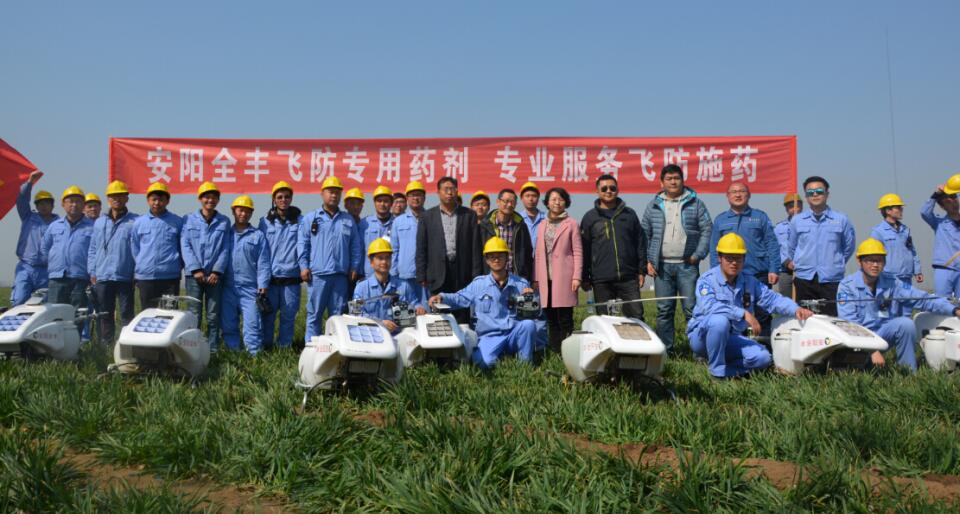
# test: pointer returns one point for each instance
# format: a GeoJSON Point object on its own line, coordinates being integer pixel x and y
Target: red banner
{"type": "Point", "coordinates": [14, 171]}
{"type": "Point", "coordinates": [768, 164]}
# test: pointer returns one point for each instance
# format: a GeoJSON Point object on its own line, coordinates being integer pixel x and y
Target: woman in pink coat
{"type": "Point", "coordinates": [558, 261]}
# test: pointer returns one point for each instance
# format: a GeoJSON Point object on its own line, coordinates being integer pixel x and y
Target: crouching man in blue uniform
{"type": "Point", "coordinates": [498, 329]}
{"type": "Point", "coordinates": [248, 276]}
{"type": "Point", "coordinates": [726, 300]}
{"type": "Point", "coordinates": [379, 282]}
{"type": "Point", "coordinates": [883, 303]}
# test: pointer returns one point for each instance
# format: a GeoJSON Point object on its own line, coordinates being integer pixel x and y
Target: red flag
{"type": "Point", "coordinates": [14, 170]}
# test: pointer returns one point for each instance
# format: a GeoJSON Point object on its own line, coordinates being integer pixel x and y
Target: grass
{"type": "Point", "coordinates": [465, 441]}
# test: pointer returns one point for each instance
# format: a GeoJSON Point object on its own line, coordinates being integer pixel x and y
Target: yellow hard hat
{"type": "Point", "coordinates": [792, 198]}
{"type": "Point", "coordinates": [416, 185]}
{"type": "Point", "coordinates": [354, 192]}
{"type": "Point", "coordinates": [382, 191]}
{"type": "Point", "coordinates": [331, 182]}
{"type": "Point", "coordinates": [889, 200]}
{"type": "Point", "coordinates": [479, 194]}
{"type": "Point", "coordinates": [952, 186]}
{"type": "Point", "coordinates": [117, 187]}
{"type": "Point", "coordinates": [71, 191]}
{"type": "Point", "coordinates": [379, 245]}
{"type": "Point", "coordinates": [529, 185]}
{"type": "Point", "coordinates": [207, 187]}
{"type": "Point", "coordinates": [495, 245]}
{"type": "Point", "coordinates": [732, 244]}
{"type": "Point", "coordinates": [243, 201]}
{"type": "Point", "coordinates": [871, 247]}
{"type": "Point", "coordinates": [91, 197]}
{"type": "Point", "coordinates": [281, 185]}
{"type": "Point", "coordinates": [42, 195]}
{"type": "Point", "coordinates": [158, 187]}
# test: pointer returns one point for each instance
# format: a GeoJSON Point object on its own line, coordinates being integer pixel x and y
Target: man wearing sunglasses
{"type": "Point", "coordinates": [678, 226]}
{"type": "Point", "coordinates": [614, 249]}
{"type": "Point", "coordinates": [822, 240]}
{"type": "Point", "coordinates": [946, 240]}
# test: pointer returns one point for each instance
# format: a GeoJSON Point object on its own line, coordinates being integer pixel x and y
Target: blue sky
{"type": "Point", "coordinates": [75, 74]}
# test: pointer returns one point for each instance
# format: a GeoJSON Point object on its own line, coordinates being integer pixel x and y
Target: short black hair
{"type": "Point", "coordinates": [605, 176]}
{"type": "Point", "coordinates": [444, 180]}
{"type": "Point", "coordinates": [399, 194]}
{"type": "Point", "coordinates": [815, 178]}
{"type": "Point", "coordinates": [506, 190]}
{"type": "Point", "coordinates": [671, 168]}
{"type": "Point", "coordinates": [560, 191]}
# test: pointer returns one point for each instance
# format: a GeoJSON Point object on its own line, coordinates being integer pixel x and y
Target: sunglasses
{"type": "Point", "coordinates": [608, 189]}
{"type": "Point", "coordinates": [815, 192]}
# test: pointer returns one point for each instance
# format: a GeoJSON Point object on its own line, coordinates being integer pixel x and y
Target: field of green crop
{"type": "Point", "coordinates": [515, 440]}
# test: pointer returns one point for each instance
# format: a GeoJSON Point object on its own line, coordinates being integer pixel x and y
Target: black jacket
{"type": "Point", "coordinates": [522, 247]}
{"type": "Point", "coordinates": [432, 250]}
{"type": "Point", "coordinates": [614, 244]}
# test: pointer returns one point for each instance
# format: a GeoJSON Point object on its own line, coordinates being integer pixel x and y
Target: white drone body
{"type": "Point", "coordinates": [353, 351]}
{"type": "Point", "coordinates": [821, 340]}
{"type": "Point", "coordinates": [613, 347]}
{"type": "Point", "coordinates": [162, 340]}
{"type": "Point", "coordinates": [40, 329]}
{"type": "Point", "coordinates": [940, 339]}
{"type": "Point", "coordinates": [436, 337]}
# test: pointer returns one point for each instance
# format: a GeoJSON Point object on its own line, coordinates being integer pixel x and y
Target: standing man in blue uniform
{"type": "Point", "coordinates": [399, 204]}
{"type": "Point", "coordinates": [532, 216]}
{"type": "Point", "coordinates": [403, 239]}
{"type": "Point", "coordinates": [380, 223]}
{"type": "Point", "coordinates": [883, 303]}
{"type": "Point", "coordinates": [793, 205]}
{"type": "Point", "coordinates": [282, 227]}
{"type": "Point", "coordinates": [330, 253]}
{"type": "Point", "coordinates": [726, 301]}
{"type": "Point", "coordinates": [110, 261]}
{"type": "Point", "coordinates": [31, 271]}
{"type": "Point", "coordinates": [92, 206]}
{"type": "Point", "coordinates": [204, 245]}
{"type": "Point", "coordinates": [379, 282]}
{"type": "Point", "coordinates": [155, 244]}
{"type": "Point", "coordinates": [499, 331]}
{"type": "Point", "coordinates": [822, 240]}
{"type": "Point", "coordinates": [902, 259]}
{"type": "Point", "coordinates": [65, 246]}
{"type": "Point", "coordinates": [248, 276]}
{"type": "Point", "coordinates": [946, 236]}
{"type": "Point", "coordinates": [754, 226]}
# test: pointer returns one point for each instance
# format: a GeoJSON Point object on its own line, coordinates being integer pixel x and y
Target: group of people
{"type": "Point", "coordinates": [476, 258]}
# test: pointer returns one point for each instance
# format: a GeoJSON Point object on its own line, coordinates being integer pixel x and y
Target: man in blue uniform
{"type": "Point", "coordinates": [110, 261]}
{"type": "Point", "coordinates": [946, 238]}
{"type": "Point", "coordinates": [793, 204]}
{"type": "Point", "coordinates": [248, 276]}
{"type": "Point", "coordinates": [498, 329]}
{"type": "Point", "coordinates": [379, 282]}
{"type": "Point", "coordinates": [155, 244]}
{"type": "Point", "coordinates": [532, 216]}
{"type": "Point", "coordinates": [403, 238]}
{"type": "Point", "coordinates": [282, 227]}
{"type": "Point", "coordinates": [330, 253]}
{"type": "Point", "coordinates": [884, 304]}
{"type": "Point", "coordinates": [31, 271]}
{"type": "Point", "coordinates": [380, 223]}
{"type": "Point", "coordinates": [726, 300]}
{"type": "Point", "coordinates": [65, 246]}
{"type": "Point", "coordinates": [902, 259]}
{"type": "Point", "coordinates": [204, 246]}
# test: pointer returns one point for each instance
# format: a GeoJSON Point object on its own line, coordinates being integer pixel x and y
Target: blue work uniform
{"type": "Point", "coordinates": [204, 247]}
{"type": "Point", "coordinates": [31, 270]}
{"type": "Point", "coordinates": [65, 247]}
{"type": "Point", "coordinates": [782, 231]}
{"type": "Point", "coordinates": [717, 324]}
{"type": "Point", "coordinates": [820, 247]}
{"type": "Point", "coordinates": [946, 250]}
{"type": "Point", "coordinates": [248, 269]}
{"type": "Point", "coordinates": [330, 247]}
{"type": "Point", "coordinates": [902, 259]}
{"type": "Point", "coordinates": [532, 224]}
{"type": "Point", "coordinates": [499, 332]}
{"type": "Point", "coordinates": [756, 229]}
{"type": "Point", "coordinates": [284, 291]}
{"type": "Point", "coordinates": [155, 244]}
{"type": "Point", "coordinates": [379, 310]}
{"type": "Point", "coordinates": [110, 261]}
{"type": "Point", "coordinates": [886, 312]}
{"type": "Point", "coordinates": [373, 228]}
{"type": "Point", "coordinates": [403, 240]}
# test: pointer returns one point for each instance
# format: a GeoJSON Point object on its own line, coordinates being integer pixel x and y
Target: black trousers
{"type": "Point", "coordinates": [450, 285]}
{"type": "Point", "coordinates": [816, 290]}
{"type": "Point", "coordinates": [559, 321]}
{"type": "Point", "coordinates": [108, 293]}
{"type": "Point", "coordinates": [151, 291]}
{"type": "Point", "coordinates": [624, 290]}
{"type": "Point", "coordinates": [763, 317]}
